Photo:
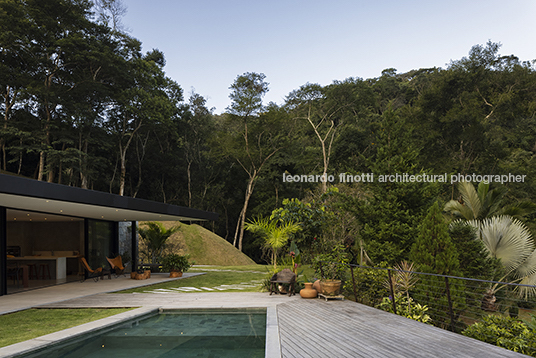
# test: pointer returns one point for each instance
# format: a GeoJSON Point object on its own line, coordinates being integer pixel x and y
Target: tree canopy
{"type": "Point", "coordinates": [82, 105]}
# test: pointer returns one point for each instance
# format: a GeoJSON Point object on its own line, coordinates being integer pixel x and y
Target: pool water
{"type": "Point", "coordinates": [177, 333]}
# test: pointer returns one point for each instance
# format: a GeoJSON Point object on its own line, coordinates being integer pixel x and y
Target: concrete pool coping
{"type": "Point", "coordinates": [272, 346]}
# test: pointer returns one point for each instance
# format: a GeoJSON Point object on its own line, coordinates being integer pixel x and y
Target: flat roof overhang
{"type": "Point", "coordinates": [33, 195]}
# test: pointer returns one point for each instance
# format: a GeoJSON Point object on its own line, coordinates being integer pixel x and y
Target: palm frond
{"type": "Point", "coordinates": [494, 201]}
{"type": "Point", "coordinates": [458, 210]}
{"type": "Point", "coordinates": [519, 209]}
{"type": "Point", "coordinates": [528, 267]}
{"type": "Point", "coordinates": [482, 191]}
{"type": "Point", "coordinates": [526, 292]}
{"type": "Point", "coordinates": [507, 239]}
{"type": "Point", "coordinates": [470, 198]}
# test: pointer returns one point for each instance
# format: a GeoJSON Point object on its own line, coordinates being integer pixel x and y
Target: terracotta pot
{"type": "Point", "coordinates": [330, 287]}
{"type": "Point", "coordinates": [316, 286]}
{"type": "Point", "coordinates": [138, 276]}
{"type": "Point", "coordinates": [174, 274]}
{"type": "Point", "coordinates": [308, 291]}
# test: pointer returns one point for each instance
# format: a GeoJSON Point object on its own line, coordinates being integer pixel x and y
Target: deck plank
{"type": "Point", "coordinates": [316, 328]}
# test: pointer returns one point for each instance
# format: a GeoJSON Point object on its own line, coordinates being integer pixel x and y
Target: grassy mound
{"type": "Point", "coordinates": [205, 247]}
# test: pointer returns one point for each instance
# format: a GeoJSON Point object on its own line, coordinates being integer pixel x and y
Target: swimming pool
{"type": "Point", "coordinates": [173, 333]}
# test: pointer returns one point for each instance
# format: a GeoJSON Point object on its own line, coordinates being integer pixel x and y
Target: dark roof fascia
{"type": "Point", "coordinates": [38, 189]}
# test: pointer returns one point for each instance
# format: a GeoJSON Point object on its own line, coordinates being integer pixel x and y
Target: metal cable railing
{"type": "Point", "coordinates": [492, 311]}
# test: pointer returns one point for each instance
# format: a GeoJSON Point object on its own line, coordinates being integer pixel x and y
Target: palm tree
{"type": "Point", "coordinates": [275, 235]}
{"type": "Point", "coordinates": [510, 241]}
{"type": "Point", "coordinates": [503, 235]}
{"type": "Point", "coordinates": [483, 202]}
{"type": "Point", "coordinates": [155, 236]}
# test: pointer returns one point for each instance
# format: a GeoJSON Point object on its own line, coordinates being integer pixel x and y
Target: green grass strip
{"type": "Point", "coordinates": [212, 279]}
{"type": "Point", "coordinates": [28, 324]}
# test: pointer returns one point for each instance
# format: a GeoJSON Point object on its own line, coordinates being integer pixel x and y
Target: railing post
{"type": "Point", "coordinates": [353, 282]}
{"type": "Point", "coordinates": [450, 304]}
{"type": "Point", "coordinates": [392, 290]}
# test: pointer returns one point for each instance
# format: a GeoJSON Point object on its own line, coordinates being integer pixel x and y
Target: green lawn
{"type": "Point", "coordinates": [24, 325]}
{"type": "Point", "coordinates": [249, 278]}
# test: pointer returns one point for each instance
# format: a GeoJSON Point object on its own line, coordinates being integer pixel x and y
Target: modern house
{"type": "Point", "coordinates": [46, 227]}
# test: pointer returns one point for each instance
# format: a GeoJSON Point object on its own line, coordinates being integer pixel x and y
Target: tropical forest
{"type": "Point", "coordinates": [430, 171]}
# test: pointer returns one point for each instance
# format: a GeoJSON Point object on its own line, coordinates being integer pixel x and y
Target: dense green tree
{"type": "Point", "coordinates": [15, 67]}
{"type": "Point", "coordinates": [325, 110]}
{"type": "Point", "coordinates": [251, 137]}
{"type": "Point", "coordinates": [393, 208]}
{"type": "Point", "coordinates": [472, 254]}
{"type": "Point", "coordinates": [433, 252]}
{"type": "Point", "coordinates": [148, 98]}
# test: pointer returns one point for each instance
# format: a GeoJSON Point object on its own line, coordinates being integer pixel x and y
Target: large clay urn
{"type": "Point", "coordinates": [330, 287]}
{"type": "Point", "coordinates": [316, 286]}
{"type": "Point", "coordinates": [308, 291]}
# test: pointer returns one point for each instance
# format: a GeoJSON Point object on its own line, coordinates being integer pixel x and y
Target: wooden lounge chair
{"type": "Point", "coordinates": [286, 277]}
{"type": "Point", "coordinates": [94, 274]}
{"type": "Point", "coordinates": [117, 265]}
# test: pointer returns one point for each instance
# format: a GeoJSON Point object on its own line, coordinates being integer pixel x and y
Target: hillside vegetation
{"type": "Point", "coordinates": [205, 247]}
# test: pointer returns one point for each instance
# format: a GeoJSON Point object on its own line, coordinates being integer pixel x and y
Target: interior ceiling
{"type": "Point", "coordinates": [38, 208]}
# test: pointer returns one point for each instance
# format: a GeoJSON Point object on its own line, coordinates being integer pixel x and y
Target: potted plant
{"type": "Point", "coordinates": [176, 264]}
{"type": "Point", "coordinates": [331, 268]}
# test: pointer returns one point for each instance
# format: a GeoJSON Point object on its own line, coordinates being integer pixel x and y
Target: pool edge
{"type": "Point", "coordinates": [272, 344]}
{"type": "Point", "coordinates": [34, 344]}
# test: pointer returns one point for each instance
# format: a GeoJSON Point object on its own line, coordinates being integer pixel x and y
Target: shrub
{"type": "Point", "coordinates": [369, 285]}
{"type": "Point", "coordinates": [332, 266]}
{"type": "Point", "coordinates": [406, 307]}
{"type": "Point", "coordinates": [506, 332]}
{"type": "Point", "coordinates": [175, 262]}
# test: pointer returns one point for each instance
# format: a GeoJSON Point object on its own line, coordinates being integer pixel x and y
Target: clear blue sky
{"type": "Point", "coordinates": [207, 43]}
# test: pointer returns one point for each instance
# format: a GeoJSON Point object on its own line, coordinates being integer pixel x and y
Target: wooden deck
{"type": "Point", "coordinates": [316, 328]}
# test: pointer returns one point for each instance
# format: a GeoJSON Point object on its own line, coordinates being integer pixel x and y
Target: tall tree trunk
{"type": "Point", "coordinates": [122, 173]}
{"type": "Point", "coordinates": [242, 218]}
{"type": "Point", "coordinates": [20, 158]}
{"type": "Point", "coordinates": [83, 164]}
{"type": "Point", "coordinates": [123, 155]}
{"type": "Point", "coordinates": [189, 174]}
{"type": "Point", "coordinates": [46, 141]}
{"type": "Point", "coordinates": [237, 230]}
{"type": "Point", "coordinates": [8, 103]}
{"type": "Point", "coordinates": [60, 165]}
{"type": "Point", "coordinates": [140, 160]}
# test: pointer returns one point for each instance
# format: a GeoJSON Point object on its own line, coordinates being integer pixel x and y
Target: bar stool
{"type": "Point", "coordinates": [45, 269]}
{"type": "Point", "coordinates": [32, 272]}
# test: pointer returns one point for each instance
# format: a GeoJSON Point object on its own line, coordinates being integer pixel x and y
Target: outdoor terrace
{"type": "Point", "coordinates": [304, 328]}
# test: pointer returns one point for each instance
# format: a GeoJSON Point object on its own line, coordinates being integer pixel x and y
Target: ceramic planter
{"type": "Point", "coordinates": [308, 291]}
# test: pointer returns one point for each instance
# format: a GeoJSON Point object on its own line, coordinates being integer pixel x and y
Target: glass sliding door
{"type": "Point", "coordinates": [101, 243]}
{"type": "Point", "coordinates": [42, 249]}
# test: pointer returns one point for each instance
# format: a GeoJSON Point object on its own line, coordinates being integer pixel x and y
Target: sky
{"type": "Point", "coordinates": [208, 43]}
